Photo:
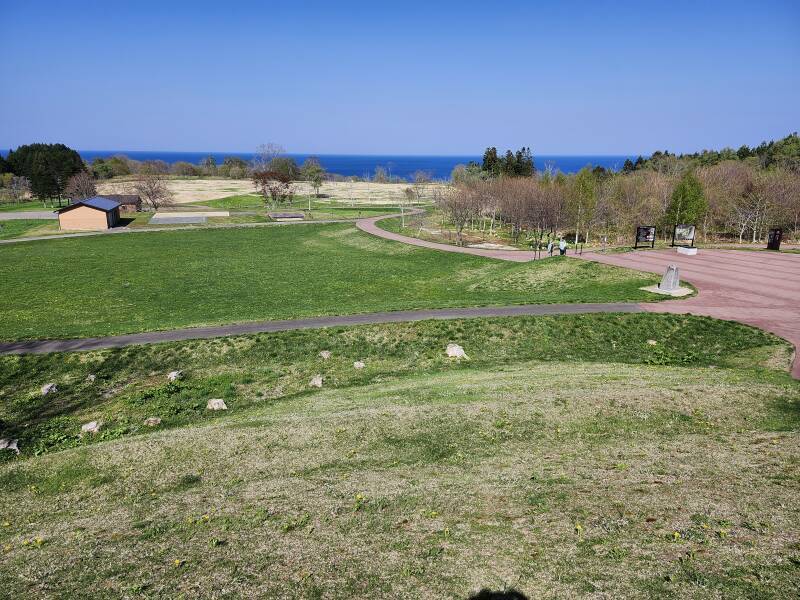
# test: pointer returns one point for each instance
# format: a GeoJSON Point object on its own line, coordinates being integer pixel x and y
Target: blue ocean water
{"type": "Point", "coordinates": [361, 165]}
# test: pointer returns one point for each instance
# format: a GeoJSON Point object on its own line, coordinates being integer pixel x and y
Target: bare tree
{"type": "Point", "coordinates": [265, 154]}
{"type": "Point", "coordinates": [274, 187]}
{"type": "Point", "coordinates": [151, 185]}
{"type": "Point", "coordinates": [19, 188]}
{"type": "Point", "coordinates": [80, 187]}
{"type": "Point", "coordinates": [459, 204]}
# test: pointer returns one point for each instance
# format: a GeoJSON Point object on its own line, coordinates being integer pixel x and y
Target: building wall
{"type": "Point", "coordinates": [83, 218]}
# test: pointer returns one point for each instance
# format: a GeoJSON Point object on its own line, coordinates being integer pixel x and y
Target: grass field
{"type": "Point", "coordinates": [320, 208]}
{"type": "Point", "coordinates": [106, 285]}
{"type": "Point", "coordinates": [606, 455]}
{"type": "Point", "coordinates": [27, 228]}
{"type": "Point", "coordinates": [24, 206]}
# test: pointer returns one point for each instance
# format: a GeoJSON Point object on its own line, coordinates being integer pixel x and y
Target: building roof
{"type": "Point", "coordinates": [98, 202]}
{"type": "Point", "coordinates": [124, 198]}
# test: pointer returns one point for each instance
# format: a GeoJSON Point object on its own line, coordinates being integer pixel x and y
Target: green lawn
{"type": "Point", "coordinates": [112, 284]}
{"type": "Point", "coordinates": [568, 456]}
{"type": "Point", "coordinates": [24, 206]}
{"type": "Point", "coordinates": [26, 227]}
{"type": "Point", "coordinates": [320, 209]}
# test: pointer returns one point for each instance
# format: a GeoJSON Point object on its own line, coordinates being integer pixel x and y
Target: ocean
{"type": "Point", "coordinates": [361, 165]}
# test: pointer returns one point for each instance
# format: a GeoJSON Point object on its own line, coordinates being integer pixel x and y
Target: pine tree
{"type": "Point", "coordinates": [688, 204]}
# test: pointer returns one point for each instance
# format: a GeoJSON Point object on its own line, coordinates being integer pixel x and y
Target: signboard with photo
{"type": "Point", "coordinates": [774, 240]}
{"type": "Point", "coordinates": [645, 234]}
{"type": "Point", "coordinates": [683, 235]}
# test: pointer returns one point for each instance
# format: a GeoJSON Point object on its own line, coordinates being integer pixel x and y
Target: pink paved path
{"type": "Point", "coordinates": [757, 288]}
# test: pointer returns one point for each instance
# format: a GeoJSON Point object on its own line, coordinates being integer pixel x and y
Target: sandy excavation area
{"type": "Point", "coordinates": [187, 191]}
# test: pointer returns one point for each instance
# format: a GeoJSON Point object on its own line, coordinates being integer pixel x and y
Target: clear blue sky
{"type": "Point", "coordinates": [401, 77]}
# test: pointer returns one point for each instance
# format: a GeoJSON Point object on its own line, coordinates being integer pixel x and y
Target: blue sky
{"type": "Point", "coordinates": [402, 77]}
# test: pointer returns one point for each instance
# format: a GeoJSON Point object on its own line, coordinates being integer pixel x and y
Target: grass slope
{"type": "Point", "coordinates": [26, 227]}
{"type": "Point", "coordinates": [417, 476]}
{"type": "Point", "coordinates": [106, 285]}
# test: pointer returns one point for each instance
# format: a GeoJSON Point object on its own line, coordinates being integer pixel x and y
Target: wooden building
{"type": "Point", "coordinates": [91, 214]}
{"type": "Point", "coordinates": [127, 202]}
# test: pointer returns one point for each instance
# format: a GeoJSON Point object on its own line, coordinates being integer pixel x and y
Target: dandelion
{"type": "Point", "coordinates": [578, 528]}
{"type": "Point", "coordinates": [178, 562]}
{"type": "Point", "coordinates": [676, 535]}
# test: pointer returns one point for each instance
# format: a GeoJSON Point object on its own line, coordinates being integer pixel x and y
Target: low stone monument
{"type": "Point", "coordinates": [174, 375]}
{"type": "Point", "coordinates": [456, 351]}
{"type": "Point", "coordinates": [671, 280]}
{"type": "Point", "coordinates": [49, 388]}
{"type": "Point", "coordinates": [90, 427]}
{"type": "Point", "coordinates": [670, 284]}
{"type": "Point", "coordinates": [216, 404]}
{"type": "Point", "coordinates": [316, 381]}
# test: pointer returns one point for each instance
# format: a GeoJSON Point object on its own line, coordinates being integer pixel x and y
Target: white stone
{"type": "Point", "coordinates": [325, 354]}
{"type": "Point", "coordinates": [216, 404]}
{"type": "Point", "coordinates": [316, 381]}
{"type": "Point", "coordinates": [152, 421]}
{"type": "Point", "coordinates": [91, 377]}
{"type": "Point", "coordinates": [456, 351]}
{"type": "Point", "coordinates": [671, 280]}
{"type": "Point", "coordinates": [687, 251]}
{"type": "Point", "coordinates": [359, 364]}
{"type": "Point", "coordinates": [174, 375]}
{"type": "Point", "coordinates": [90, 427]}
{"type": "Point", "coordinates": [8, 444]}
{"type": "Point", "coordinates": [652, 342]}
{"type": "Point", "coordinates": [49, 388]}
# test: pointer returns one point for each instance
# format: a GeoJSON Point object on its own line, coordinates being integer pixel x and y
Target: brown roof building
{"type": "Point", "coordinates": [127, 202]}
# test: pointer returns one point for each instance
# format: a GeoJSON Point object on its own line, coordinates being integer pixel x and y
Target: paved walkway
{"type": "Point", "coordinates": [757, 288]}
{"type": "Point", "coordinates": [369, 226]}
{"type": "Point", "coordinates": [27, 214]}
{"type": "Point", "coordinates": [153, 337]}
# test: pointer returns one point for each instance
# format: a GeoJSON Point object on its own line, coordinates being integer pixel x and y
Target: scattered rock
{"type": "Point", "coordinates": [8, 444]}
{"type": "Point", "coordinates": [652, 342]}
{"type": "Point", "coordinates": [325, 354]}
{"type": "Point", "coordinates": [316, 381]}
{"type": "Point", "coordinates": [359, 364]}
{"type": "Point", "coordinates": [174, 375]}
{"type": "Point", "coordinates": [152, 421]}
{"type": "Point", "coordinates": [456, 351]}
{"type": "Point", "coordinates": [90, 427]}
{"type": "Point", "coordinates": [49, 388]}
{"type": "Point", "coordinates": [216, 404]}
{"type": "Point", "coordinates": [91, 377]}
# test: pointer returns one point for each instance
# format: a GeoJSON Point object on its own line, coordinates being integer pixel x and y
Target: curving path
{"type": "Point", "coordinates": [193, 333]}
{"type": "Point", "coordinates": [754, 287]}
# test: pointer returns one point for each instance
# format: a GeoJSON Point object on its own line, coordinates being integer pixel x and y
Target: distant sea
{"type": "Point", "coordinates": [361, 165]}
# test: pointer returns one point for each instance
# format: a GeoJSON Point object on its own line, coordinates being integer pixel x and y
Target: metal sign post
{"type": "Point", "coordinates": [645, 234]}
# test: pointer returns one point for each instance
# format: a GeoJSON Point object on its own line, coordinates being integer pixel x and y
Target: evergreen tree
{"type": "Point", "coordinates": [628, 166]}
{"type": "Point", "coordinates": [47, 166]}
{"type": "Point", "coordinates": [688, 204]}
{"type": "Point", "coordinates": [491, 164]}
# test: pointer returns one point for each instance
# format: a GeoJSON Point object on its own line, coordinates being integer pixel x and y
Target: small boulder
{"type": "Point", "coordinates": [456, 351]}
{"type": "Point", "coordinates": [652, 342]}
{"type": "Point", "coordinates": [49, 388]}
{"type": "Point", "coordinates": [359, 364]}
{"type": "Point", "coordinates": [90, 378]}
{"type": "Point", "coordinates": [216, 404]}
{"type": "Point", "coordinates": [316, 381]}
{"type": "Point", "coordinates": [9, 444]}
{"type": "Point", "coordinates": [325, 354]}
{"type": "Point", "coordinates": [90, 427]}
{"type": "Point", "coordinates": [152, 421]}
{"type": "Point", "coordinates": [174, 375]}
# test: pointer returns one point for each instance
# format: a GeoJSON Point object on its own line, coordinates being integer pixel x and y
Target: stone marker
{"type": "Point", "coordinates": [671, 280]}
{"type": "Point", "coordinates": [687, 251]}
{"type": "Point", "coordinates": [325, 354]}
{"type": "Point", "coordinates": [216, 404]}
{"type": "Point", "coordinates": [152, 421]}
{"type": "Point", "coordinates": [359, 364]}
{"type": "Point", "coordinates": [91, 377]}
{"type": "Point", "coordinates": [456, 351]}
{"type": "Point", "coordinates": [90, 427]}
{"type": "Point", "coordinates": [174, 375]}
{"type": "Point", "coordinates": [49, 388]}
{"type": "Point", "coordinates": [8, 444]}
{"type": "Point", "coordinates": [316, 381]}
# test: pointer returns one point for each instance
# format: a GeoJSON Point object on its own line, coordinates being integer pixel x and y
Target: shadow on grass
{"type": "Point", "coordinates": [509, 594]}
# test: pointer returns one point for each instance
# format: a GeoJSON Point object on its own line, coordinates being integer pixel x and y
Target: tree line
{"type": "Point", "coordinates": [737, 198]}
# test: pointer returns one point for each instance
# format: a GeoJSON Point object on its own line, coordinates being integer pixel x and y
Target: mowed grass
{"type": "Point", "coordinates": [320, 208]}
{"type": "Point", "coordinates": [27, 227]}
{"type": "Point", "coordinates": [104, 285]}
{"type": "Point", "coordinates": [537, 464]}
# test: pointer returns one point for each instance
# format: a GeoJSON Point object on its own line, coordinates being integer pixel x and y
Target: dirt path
{"type": "Point", "coordinates": [757, 288]}
{"type": "Point", "coordinates": [154, 337]}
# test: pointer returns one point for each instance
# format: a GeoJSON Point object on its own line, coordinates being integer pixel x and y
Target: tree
{"type": "Point", "coordinates": [48, 167]}
{"type": "Point", "coordinates": [421, 181]}
{"type": "Point", "coordinates": [313, 172]}
{"type": "Point", "coordinates": [265, 154]}
{"type": "Point", "coordinates": [459, 205]}
{"type": "Point", "coordinates": [151, 185]}
{"type": "Point", "coordinates": [80, 187]}
{"type": "Point", "coordinates": [209, 165]}
{"type": "Point", "coordinates": [581, 201]}
{"type": "Point", "coordinates": [273, 186]}
{"type": "Point", "coordinates": [233, 167]}
{"type": "Point", "coordinates": [183, 168]}
{"type": "Point", "coordinates": [688, 204]}
{"type": "Point", "coordinates": [18, 188]}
